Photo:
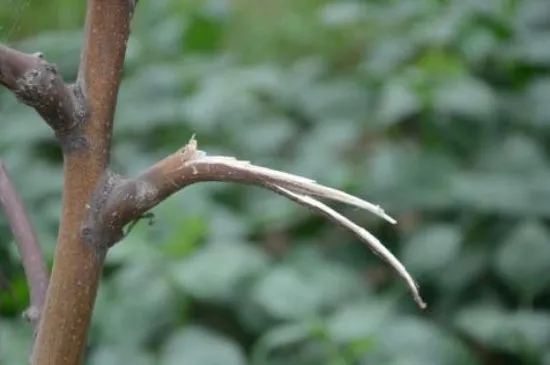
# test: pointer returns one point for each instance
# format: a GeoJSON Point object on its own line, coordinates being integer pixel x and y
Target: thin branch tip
{"type": "Point", "coordinates": [372, 242]}
{"type": "Point", "coordinates": [26, 240]}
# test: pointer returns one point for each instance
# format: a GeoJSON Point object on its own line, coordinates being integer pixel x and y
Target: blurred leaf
{"type": "Point", "coordinates": [432, 249]}
{"type": "Point", "coordinates": [387, 54]}
{"type": "Point", "coordinates": [337, 99]}
{"type": "Point", "coordinates": [216, 272]}
{"type": "Point", "coordinates": [135, 306]}
{"type": "Point", "coordinates": [403, 178]}
{"type": "Point", "coordinates": [291, 344]}
{"type": "Point", "coordinates": [437, 64]}
{"type": "Point", "coordinates": [226, 225]}
{"type": "Point", "coordinates": [267, 137]}
{"type": "Point", "coordinates": [358, 321]}
{"type": "Point", "coordinates": [522, 260]}
{"type": "Point", "coordinates": [185, 238]}
{"type": "Point", "coordinates": [324, 146]}
{"type": "Point", "coordinates": [442, 29]}
{"type": "Point", "coordinates": [484, 324]}
{"type": "Point", "coordinates": [342, 12]}
{"type": "Point", "coordinates": [290, 292]}
{"type": "Point", "coordinates": [203, 33]}
{"type": "Point", "coordinates": [195, 345]}
{"type": "Point", "coordinates": [520, 332]}
{"type": "Point", "coordinates": [510, 195]}
{"type": "Point", "coordinates": [538, 111]}
{"type": "Point", "coordinates": [463, 271]}
{"type": "Point", "coordinates": [107, 355]}
{"type": "Point", "coordinates": [267, 208]}
{"type": "Point", "coordinates": [409, 340]}
{"type": "Point", "coordinates": [516, 154]}
{"type": "Point", "coordinates": [478, 45]}
{"type": "Point", "coordinates": [466, 97]}
{"type": "Point", "coordinates": [532, 15]}
{"type": "Point", "coordinates": [398, 102]}
{"type": "Point", "coordinates": [533, 49]}
{"type": "Point", "coordinates": [15, 339]}
{"type": "Point", "coordinates": [61, 48]}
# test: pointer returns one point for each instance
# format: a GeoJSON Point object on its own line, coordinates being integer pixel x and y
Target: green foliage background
{"type": "Point", "coordinates": [438, 110]}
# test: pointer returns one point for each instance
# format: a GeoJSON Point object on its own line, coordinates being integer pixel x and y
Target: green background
{"type": "Point", "coordinates": [437, 110]}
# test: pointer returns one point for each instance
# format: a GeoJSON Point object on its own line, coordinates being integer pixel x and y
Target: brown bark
{"type": "Point", "coordinates": [77, 267]}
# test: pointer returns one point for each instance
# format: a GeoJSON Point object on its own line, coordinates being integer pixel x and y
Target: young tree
{"type": "Point", "coordinates": [98, 203]}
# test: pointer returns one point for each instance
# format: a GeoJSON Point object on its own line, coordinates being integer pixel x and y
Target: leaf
{"type": "Point", "coordinates": [15, 337]}
{"type": "Point", "coordinates": [465, 269]}
{"type": "Point", "coordinates": [275, 341]}
{"type": "Point", "coordinates": [533, 49]}
{"type": "Point", "coordinates": [111, 355]}
{"type": "Point", "coordinates": [432, 249]}
{"type": "Point", "coordinates": [397, 102]}
{"type": "Point", "coordinates": [59, 47]}
{"type": "Point", "coordinates": [516, 332]}
{"type": "Point", "coordinates": [196, 345]}
{"type": "Point", "coordinates": [535, 102]}
{"type": "Point", "coordinates": [135, 305]}
{"type": "Point", "coordinates": [359, 321]}
{"type": "Point", "coordinates": [204, 33]}
{"type": "Point", "coordinates": [440, 30]}
{"type": "Point", "coordinates": [266, 137]}
{"type": "Point", "coordinates": [217, 271]}
{"type": "Point", "coordinates": [484, 324]}
{"type": "Point", "coordinates": [532, 15]}
{"type": "Point", "coordinates": [522, 260]}
{"type": "Point", "coordinates": [409, 340]}
{"type": "Point", "coordinates": [223, 224]}
{"type": "Point", "coordinates": [337, 99]}
{"type": "Point", "coordinates": [530, 331]}
{"type": "Point", "coordinates": [506, 194]}
{"type": "Point", "coordinates": [516, 154]}
{"type": "Point", "coordinates": [479, 45]}
{"type": "Point", "coordinates": [406, 178]}
{"type": "Point", "coordinates": [288, 292]}
{"type": "Point", "coordinates": [466, 97]}
{"type": "Point", "coordinates": [336, 14]}
{"type": "Point", "coordinates": [387, 54]}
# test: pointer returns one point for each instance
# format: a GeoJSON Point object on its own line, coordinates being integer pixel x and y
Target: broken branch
{"type": "Point", "coordinates": [127, 200]}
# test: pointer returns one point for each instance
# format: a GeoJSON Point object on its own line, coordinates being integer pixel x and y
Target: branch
{"type": "Point", "coordinates": [76, 271]}
{"type": "Point", "coordinates": [27, 245]}
{"type": "Point", "coordinates": [124, 201]}
{"type": "Point", "coordinates": [36, 83]}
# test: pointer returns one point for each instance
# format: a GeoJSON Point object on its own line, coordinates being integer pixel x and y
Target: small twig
{"type": "Point", "coordinates": [27, 245]}
{"type": "Point", "coordinates": [150, 220]}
